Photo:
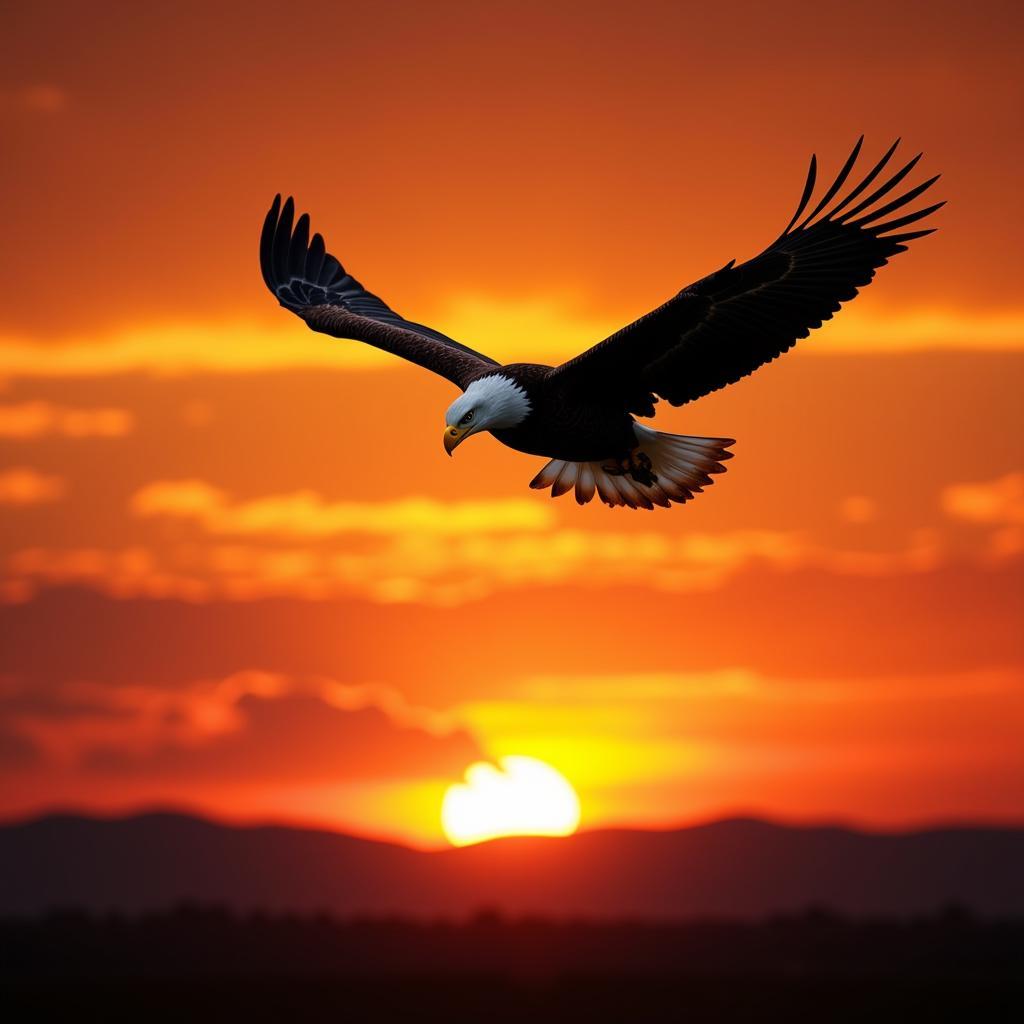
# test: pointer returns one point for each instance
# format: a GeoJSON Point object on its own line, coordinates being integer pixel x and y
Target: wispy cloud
{"type": "Point", "coordinates": [307, 514]}
{"type": "Point", "coordinates": [539, 328]}
{"type": "Point", "coordinates": [737, 738]}
{"type": "Point", "coordinates": [995, 503]}
{"type": "Point", "coordinates": [317, 729]}
{"type": "Point", "coordinates": [999, 501]}
{"type": "Point", "coordinates": [27, 420]}
{"type": "Point", "coordinates": [23, 485]}
{"type": "Point", "coordinates": [558, 327]}
{"type": "Point", "coordinates": [39, 98]}
{"type": "Point", "coordinates": [445, 568]}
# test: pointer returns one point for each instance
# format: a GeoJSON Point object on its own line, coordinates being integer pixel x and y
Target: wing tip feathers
{"type": "Point", "coordinates": [823, 215]}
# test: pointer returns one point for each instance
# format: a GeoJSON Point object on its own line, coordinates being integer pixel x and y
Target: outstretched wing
{"type": "Point", "coordinates": [310, 282]}
{"type": "Point", "coordinates": [726, 325]}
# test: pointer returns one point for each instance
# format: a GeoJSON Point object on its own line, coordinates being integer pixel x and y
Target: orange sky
{"type": "Point", "coordinates": [239, 573]}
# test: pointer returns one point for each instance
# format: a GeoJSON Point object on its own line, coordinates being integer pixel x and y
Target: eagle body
{"type": "Point", "coordinates": [582, 414]}
{"type": "Point", "coordinates": [562, 422]}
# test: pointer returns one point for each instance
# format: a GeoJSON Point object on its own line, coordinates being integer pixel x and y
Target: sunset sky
{"type": "Point", "coordinates": [239, 574]}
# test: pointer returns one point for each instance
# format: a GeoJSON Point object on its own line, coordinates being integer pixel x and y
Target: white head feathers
{"type": "Point", "coordinates": [496, 402]}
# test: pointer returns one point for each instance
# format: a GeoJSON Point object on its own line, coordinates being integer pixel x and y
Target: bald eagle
{"type": "Point", "coordinates": [581, 415]}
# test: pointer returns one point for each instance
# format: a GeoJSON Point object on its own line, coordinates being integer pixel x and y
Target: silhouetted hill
{"type": "Point", "coordinates": [738, 868]}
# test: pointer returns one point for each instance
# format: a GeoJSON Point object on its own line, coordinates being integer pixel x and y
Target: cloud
{"type": "Point", "coordinates": [26, 486]}
{"type": "Point", "coordinates": [16, 751]}
{"type": "Point", "coordinates": [737, 738]}
{"type": "Point", "coordinates": [539, 328]}
{"type": "Point", "coordinates": [559, 327]}
{"type": "Point", "coordinates": [306, 514]}
{"type": "Point", "coordinates": [185, 348]}
{"type": "Point", "coordinates": [247, 727]}
{"type": "Point", "coordinates": [736, 684]}
{"type": "Point", "coordinates": [854, 330]}
{"type": "Point", "coordinates": [858, 509]}
{"type": "Point", "coordinates": [240, 346]}
{"type": "Point", "coordinates": [999, 501]}
{"type": "Point", "coordinates": [27, 420]}
{"type": "Point", "coordinates": [123, 572]}
{"type": "Point", "coordinates": [786, 625]}
{"type": "Point", "coordinates": [513, 541]}
{"type": "Point", "coordinates": [39, 98]}
{"type": "Point", "coordinates": [443, 567]}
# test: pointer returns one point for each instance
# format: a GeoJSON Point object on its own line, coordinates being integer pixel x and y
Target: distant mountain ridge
{"type": "Point", "coordinates": [737, 867]}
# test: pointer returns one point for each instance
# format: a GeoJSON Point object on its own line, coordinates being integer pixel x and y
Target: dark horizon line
{"type": "Point", "coordinates": [738, 817]}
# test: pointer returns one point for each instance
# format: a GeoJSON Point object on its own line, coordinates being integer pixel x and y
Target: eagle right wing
{"type": "Point", "coordinates": [728, 324]}
{"type": "Point", "coordinates": [309, 281]}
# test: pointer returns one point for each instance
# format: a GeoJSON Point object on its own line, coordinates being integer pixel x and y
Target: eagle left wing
{"type": "Point", "coordinates": [728, 324]}
{"type": "Point", "coordinates": [313, 284]}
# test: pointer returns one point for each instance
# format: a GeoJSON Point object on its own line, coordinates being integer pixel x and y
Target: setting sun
{"type": "Point", "coordinates": [522, 797]}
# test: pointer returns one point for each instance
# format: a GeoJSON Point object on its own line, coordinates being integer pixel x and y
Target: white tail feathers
{"type": "Point", "coordinates": [681, 467]}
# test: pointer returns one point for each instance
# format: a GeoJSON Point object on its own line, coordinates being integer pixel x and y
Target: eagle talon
{"type": "Point", "coordinates": [640, 468]}
{"type": "Point", "coordinates": [636, 464]}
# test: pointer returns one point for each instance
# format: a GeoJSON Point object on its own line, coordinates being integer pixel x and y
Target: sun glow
{"type": "Point", "coordinates": [522, 797]}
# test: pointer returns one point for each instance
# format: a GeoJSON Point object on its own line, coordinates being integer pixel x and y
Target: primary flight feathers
{"type": "Point", "coordinates": [711, 334]}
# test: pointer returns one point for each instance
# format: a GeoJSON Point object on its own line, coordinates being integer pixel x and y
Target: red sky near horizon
{"type": "Point", "coordinates": [237, 571]}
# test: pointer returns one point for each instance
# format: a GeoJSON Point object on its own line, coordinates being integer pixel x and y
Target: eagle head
{"type": "Point", "coordinates": [494, 402]}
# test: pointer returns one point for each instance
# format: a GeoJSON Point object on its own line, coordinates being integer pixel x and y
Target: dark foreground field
{"type": "Point", "coordinates": [196, 964]}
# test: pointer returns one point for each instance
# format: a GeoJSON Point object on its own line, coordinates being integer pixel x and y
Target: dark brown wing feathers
{"type": "Point", "coordinates": [309, 281]}
{"type": "Point", "coordinates": [728, 324]}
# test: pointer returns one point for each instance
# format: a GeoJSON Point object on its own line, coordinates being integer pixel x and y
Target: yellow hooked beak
{"type": "Point", "coordinates": [453, 437]}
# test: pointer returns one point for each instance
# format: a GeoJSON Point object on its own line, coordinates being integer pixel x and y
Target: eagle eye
{"type": "Point", "coordinates": [468, 418]}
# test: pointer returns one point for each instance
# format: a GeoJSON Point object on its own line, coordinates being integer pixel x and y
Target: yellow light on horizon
{"type": "Point", "coordinates": [521, 797]}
